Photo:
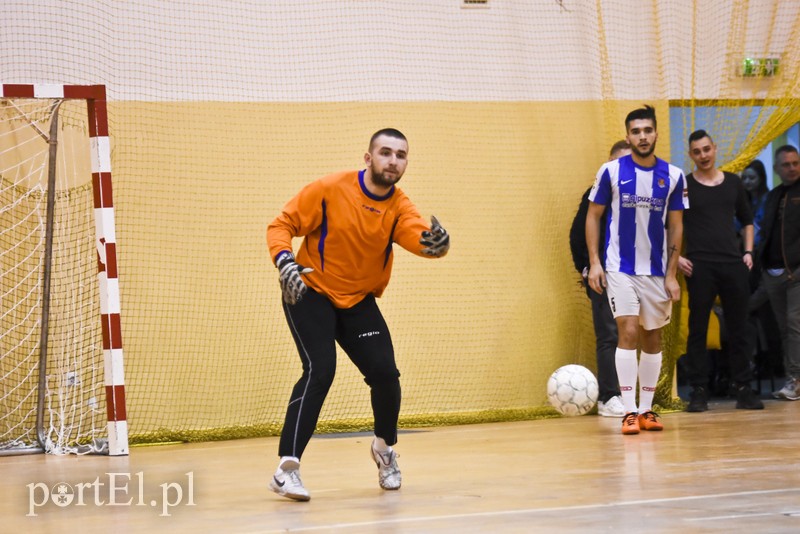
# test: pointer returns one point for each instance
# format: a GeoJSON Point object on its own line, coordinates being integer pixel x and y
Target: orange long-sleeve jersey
{"type": "Point", "coordinates": [348, 235]}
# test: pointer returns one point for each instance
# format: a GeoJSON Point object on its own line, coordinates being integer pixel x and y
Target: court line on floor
{"type": "Point", "coordinates": [534, 511]}
{"type": "Point", "coordinates": [792, 513]}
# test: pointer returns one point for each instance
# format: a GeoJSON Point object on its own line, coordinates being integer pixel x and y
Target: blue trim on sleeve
{"type": "Point", "coordinates": [323, 234]}
{"type": "Point", "coordinates": [388, 252]}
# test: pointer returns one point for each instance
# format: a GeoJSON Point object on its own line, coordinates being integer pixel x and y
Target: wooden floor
{"type": "Point", "coordinates": [725, 470]}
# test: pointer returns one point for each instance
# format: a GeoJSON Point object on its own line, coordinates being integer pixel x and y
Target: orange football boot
{"type": "Point", "coordinates": [650, 421]}
{"type": "Point", "coordinates": [630, 423]}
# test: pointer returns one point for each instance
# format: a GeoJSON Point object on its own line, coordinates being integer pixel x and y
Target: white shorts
{"type": "Point", "coordinates": [642, 296]}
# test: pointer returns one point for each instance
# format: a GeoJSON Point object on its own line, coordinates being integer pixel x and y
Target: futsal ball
{"type": "Point", "coordinates": [572, 390]}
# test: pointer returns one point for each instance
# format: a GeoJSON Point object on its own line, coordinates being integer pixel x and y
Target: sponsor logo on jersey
{"type": "Point", "coordinates": [638, 201]}
{"type": "Point", "coordinates": [370, 208]}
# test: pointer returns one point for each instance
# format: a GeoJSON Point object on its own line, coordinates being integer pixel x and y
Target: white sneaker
{"type": "Point", "coordinates": [790, 391]}
{"type": "Point", "coordinates": [389, 476]}
{"type": "Point", "coordinates": [286, 482]}
{"type": "Point", "coordinates": [613, 407]}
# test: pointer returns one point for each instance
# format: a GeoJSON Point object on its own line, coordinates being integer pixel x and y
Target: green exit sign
{"type": "Point", "coordinates": [753, 67]}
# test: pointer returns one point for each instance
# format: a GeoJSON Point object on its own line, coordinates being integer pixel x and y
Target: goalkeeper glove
{"type": "Point", "coordinates": [436, 241]}
{"type": "Point", "coordinates": [292, 285]}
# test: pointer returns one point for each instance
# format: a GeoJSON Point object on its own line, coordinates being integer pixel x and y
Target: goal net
{"type": "Point", "coordinates": [220, 112]}
{"type": "Point", "coordinates": [53, 356]}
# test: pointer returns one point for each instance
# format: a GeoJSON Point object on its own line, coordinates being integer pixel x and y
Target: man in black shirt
{"type": "Point", "coordinates": [780, 255]}
{"type": "Point", "coordinates": [714, 264]}
{"type": "Point", "coordinates": [609, 402]}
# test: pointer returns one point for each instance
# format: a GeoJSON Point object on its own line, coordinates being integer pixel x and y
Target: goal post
{"type": "Point", "coordinates": [53, 385]}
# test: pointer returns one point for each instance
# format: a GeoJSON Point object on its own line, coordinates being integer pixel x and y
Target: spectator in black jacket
{"type": "Point", "coordinates": [779, 253]}
{"type": "Point", "coordinates": [609, 402]}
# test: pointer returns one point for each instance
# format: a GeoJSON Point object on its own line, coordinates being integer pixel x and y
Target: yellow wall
{"type": "Point", "coordinates": [205, 340]}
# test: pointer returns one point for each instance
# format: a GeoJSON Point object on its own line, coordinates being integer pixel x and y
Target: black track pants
{"type": "Point", "coordinates": [361, 331]}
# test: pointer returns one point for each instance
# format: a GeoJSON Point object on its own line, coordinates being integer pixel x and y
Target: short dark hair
{"type": "Point", "coordinates": [699, 134]}
{"type": "Point", "coordinates": [646, 112]}
{"type": "Point", "coordinates": [391, 132]}
{"type": "Point", "coordinates": [784, 148]}
{"type": "Point", "coordinates": [622, 144]}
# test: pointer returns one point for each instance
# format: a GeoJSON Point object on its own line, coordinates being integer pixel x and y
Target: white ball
{"type": "Point", "coordinates": [572, 390]}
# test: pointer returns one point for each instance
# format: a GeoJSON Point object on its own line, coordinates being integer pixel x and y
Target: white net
{"type": "Point", "coordinates": [219, 112]}
{"type": "Point", "coordinates": [73, 410]}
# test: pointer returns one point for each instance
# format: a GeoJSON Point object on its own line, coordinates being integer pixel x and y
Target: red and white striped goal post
{"type": "Point", "coordinates": [100, 146]}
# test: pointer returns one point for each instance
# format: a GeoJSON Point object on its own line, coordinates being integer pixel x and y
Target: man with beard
{"type": "Point", "coordinates": [349, 221]}
{"type": "Point", "coordinates": [646, 199]}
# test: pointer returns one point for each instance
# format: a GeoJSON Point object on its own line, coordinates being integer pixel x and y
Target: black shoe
{"type": "Point", "coordinates": [746, 399]}
{"type": "Point", "coordinates": [698, 400]}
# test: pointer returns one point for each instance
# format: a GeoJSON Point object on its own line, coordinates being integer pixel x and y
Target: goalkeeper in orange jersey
{"type": "Point", "coordinates": [349, 221]}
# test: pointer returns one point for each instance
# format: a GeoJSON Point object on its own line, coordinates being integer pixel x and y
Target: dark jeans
{"type": "Point", "coordinates": [784, 295]}
{"type": "Point", "coordinates": [765, 337]}
{"type": "Point", "coordinates": [361, 331]}
{"type": "Point", "coordinates": [730, 282]}
{"type": "Point", "coordinates": [605, 331]}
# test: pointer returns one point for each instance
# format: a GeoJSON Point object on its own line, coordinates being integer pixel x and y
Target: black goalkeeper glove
{"type": "Point", "coordinates": [437, 241]}
{"type": "Point", "coordinates": [292, 284]}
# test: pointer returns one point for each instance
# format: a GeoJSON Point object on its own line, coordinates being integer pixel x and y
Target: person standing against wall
{"type": "Point", "coordinates": [609, 402]}
{"type": "Point", "coordinates": [780, 256]}
{"type": "Point", "coordinates": [754, 180]}
{"type": "Point", "coordinates": [645, 195]}
{"type": "Point", "coordinates": [713, 265]}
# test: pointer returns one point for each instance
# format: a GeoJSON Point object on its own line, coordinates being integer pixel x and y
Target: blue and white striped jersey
{"type": "Point", "coordinates": [638, 199]}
